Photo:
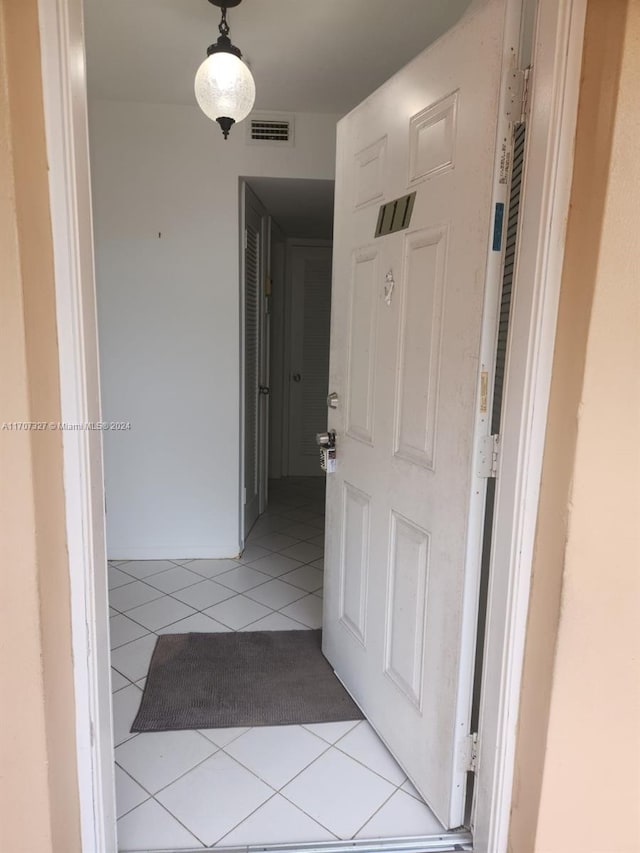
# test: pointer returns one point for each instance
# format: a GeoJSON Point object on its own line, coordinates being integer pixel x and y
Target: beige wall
{"type": "Point", "coordinates": [578, 760]}
{"type": "Point", "coordinates": [38, 785]}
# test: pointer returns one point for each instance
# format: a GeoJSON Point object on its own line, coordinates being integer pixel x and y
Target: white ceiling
{"type": "Point", "coordinates": [320, 56]}
{"type": "Point", "coordinates": [303, 208]}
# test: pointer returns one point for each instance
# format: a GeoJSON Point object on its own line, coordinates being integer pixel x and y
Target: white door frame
{"type": "Point", "coordinates": [65, 109]}
{"type": "Point", "coordinates": [551, 128]}
{"type": "Point", "coordinates": [545, 204]}
{"type": "Point", "coordinates": [277, 274]}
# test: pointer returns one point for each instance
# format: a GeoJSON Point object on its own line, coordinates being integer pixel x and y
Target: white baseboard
{"type": "Point", "coordinates": [170, 552]}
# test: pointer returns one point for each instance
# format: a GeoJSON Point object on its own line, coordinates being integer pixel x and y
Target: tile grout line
{"type": "Point", "coordinates": [280, 790]}
{"type": "Point", "coordinates": [184, 826]}
{"type": "Point", "coordinates": [231, 757]}
{"type": "Point", "coordinates": [182, 776]}
{"type": "Point", "coordinates": [152, 797]}
{"type": "Point", "coordinates": [202, 578]}
{"type": "Point", "coordinates": [371, 817]}
{"type": "Point", "coordinates": [409, 794]}
{"type": "Point", "coordinates": [357, 760]}
{"type": "Point", "coordinates": [330, 746]}
{"type": "Point", "coordinates": [236, 593]}
{"type": "Point", "coordinates": [195, 612]}
{"type": "Point", "coordinates": [308, 627]}
{"type": "Point", "coordinates": [233, 828]}
{"type": "Point", "coordinates": [276, 791]}
{"type": "Point", "coordinates": [185, 565]}
{"type": "Point", "coordinates": [124, 687]}
{"type": "Point", "coordinates": [156, 631]}
{"type": "Point", "coordinates": [211, 755]}
{"type": "Point", "coordinates": [139, 784]}
{"type": "Point", "coordinates": [302, 811]}
{"type": "Point", "coordinates": [186, 772]}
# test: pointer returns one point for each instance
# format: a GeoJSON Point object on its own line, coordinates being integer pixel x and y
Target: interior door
{"type": "Point", "coordinates": [401, 566]}
{"type": "Point", "coordinates": [254, 351]}
{"type": "Point", "coordinates": [264, 373]}
{"type": "Point", "coordinates": [310, 317]}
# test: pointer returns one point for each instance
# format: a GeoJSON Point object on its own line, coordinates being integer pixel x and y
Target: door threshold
{"type": "Point", "coordinates": [457, 840]}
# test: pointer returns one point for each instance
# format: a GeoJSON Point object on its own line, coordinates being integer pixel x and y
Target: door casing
{"type": "Point", "coordinates": [554, 90]}
{"type": "Point", "coordinates": [277, 384]}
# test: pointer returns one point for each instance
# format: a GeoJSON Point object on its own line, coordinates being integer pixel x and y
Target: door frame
{"type": "Point", "coordinates": [555, 87]}
{"type": "Point", "coordinates": [549, 157]}
{"type": "Point", "coordinates": [277, 274]}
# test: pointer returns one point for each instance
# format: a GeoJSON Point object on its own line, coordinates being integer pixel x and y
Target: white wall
{"type": "Point", "coordinates": [168, 311]}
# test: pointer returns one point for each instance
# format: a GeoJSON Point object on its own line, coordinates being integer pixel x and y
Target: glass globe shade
{"type": "Point", "coordinates": [224, 86]}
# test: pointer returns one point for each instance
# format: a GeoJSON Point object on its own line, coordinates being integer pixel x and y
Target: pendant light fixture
{"type": "Point", "coordinates": [224, 86]}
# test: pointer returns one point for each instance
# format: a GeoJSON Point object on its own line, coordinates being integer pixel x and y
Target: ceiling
{"type": "Point", "coordinates": [320, 56]}
{"type": "Point", "coordinates": [302, 208]}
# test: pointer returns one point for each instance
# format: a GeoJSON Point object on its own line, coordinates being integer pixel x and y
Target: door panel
{"type": "Point", "coordinates": [264, 375]}
{"type": "Point", "coordinates": [406, 325]}
{"type": "Point", "coordinates": [408, 572]}
{"type": "Point", "coordinates": [309, 373]}
{"type": "Point", "coordinates": [255, 360]}
{"type": "Point", "coordinates": [354, 561]}
{"type": "Point", "coordinates": [420, 336]}
{"type": "Point", "coordinates": [361, 355]}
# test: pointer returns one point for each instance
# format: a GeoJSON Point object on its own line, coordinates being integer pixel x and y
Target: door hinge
{"type": "Point", "coordinates": [246, 239]}
{"type": "Point", "coordinates": [518, 95]}
{"type": "Point", "coordinates": [470, 747]}
{"type": "Point", "coordinates": [488, 456]}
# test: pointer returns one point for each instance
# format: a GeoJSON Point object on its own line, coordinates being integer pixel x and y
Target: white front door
{"type": "Point", "coordinates": [310, 314]}
{"type": "Point", "coordinates": [402, 566]}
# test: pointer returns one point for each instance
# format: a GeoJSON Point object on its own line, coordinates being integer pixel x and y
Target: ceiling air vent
{"type": "Point", "coordinates": [273, 130]}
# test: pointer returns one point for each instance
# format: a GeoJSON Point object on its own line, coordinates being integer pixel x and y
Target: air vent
{"type": "Point", "coordinates": [274, 130]}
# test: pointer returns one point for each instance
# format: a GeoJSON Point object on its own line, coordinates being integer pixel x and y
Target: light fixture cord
{"type": "Point", "coordinates": [224, 26]}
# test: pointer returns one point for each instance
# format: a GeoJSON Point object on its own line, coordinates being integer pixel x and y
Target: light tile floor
{"type": "Point", "coordinates": [233, 787]}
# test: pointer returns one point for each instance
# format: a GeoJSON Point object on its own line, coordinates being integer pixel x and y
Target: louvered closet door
{"type": "Point", "coordinates": [309, 362]}
{"type": "Point", "coordinates": [252, 311]}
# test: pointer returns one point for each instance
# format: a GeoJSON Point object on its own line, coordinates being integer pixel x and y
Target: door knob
{"type": "Point", "coordinates": [326, 439]}
{"type": "Point", "coordinates": [264, 389]}
{"type": "Point", "coordinates": [297, 377]}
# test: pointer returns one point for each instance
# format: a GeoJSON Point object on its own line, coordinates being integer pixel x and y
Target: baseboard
{"type": "Point", "coordinates": [171, 552]}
